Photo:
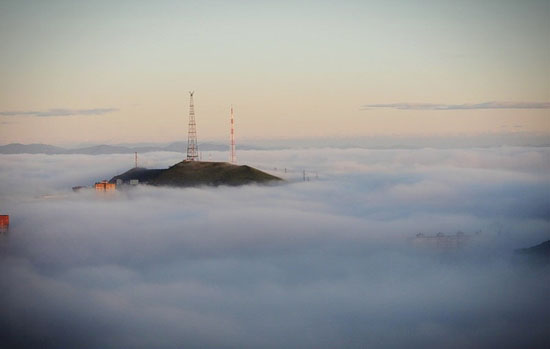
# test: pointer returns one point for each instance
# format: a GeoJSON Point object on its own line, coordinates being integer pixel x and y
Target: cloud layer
{"type": "Point", "coordinates": [59, 112]}
{"type": "Point", "coordinates": [465, 106]}
{"type": "Point", "coordinates": [324, 263]}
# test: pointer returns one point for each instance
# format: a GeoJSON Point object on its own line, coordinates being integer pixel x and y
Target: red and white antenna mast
{"type": "Point", "coordinates": [192, 144]}
{"type": "Point", "coordinates": [232, 156]}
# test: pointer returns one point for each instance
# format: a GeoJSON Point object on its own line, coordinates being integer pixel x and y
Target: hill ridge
{"type": "Point", "coordinates": [197, 173]}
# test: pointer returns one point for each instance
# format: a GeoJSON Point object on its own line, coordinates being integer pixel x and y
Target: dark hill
{"type": "Point", "coordinates": [540, 250]}
{"type": "Point", "coordinates": [195, 173]}
{"type": "Point", "coordinates": [142, 174]}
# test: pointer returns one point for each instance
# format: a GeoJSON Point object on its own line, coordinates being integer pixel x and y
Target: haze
{"type": "Point", "coordinates": [324, 263]}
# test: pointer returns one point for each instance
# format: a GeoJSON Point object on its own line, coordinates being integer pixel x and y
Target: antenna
{"type": "Point", "coordinates": [192, 144]}
{"type": "Point", "coordinates": [232, 156]}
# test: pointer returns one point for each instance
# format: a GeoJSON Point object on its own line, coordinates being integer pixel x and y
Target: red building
{"type": "Point", "coordinates": [4, 223]}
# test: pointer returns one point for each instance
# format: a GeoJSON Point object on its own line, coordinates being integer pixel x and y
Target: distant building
{"type": "Point", "coordinates": [105, 186]}
{"type": "Point", "coordinates": [4, 223]}
{"type": "Point", "coordinates": [441, 240]}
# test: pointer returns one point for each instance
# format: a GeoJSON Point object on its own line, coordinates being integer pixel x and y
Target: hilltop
{"type": "Point", "coordinates": [196, 173]}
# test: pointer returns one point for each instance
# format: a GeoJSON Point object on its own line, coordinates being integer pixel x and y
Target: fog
{"type": "Point", "coordinates": [329, 262]}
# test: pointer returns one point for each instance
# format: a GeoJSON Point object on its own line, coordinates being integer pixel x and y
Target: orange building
{"type": "Point", "coordinates": [4, 223]}
{"type": "Point", "coordinates": [105, 186]}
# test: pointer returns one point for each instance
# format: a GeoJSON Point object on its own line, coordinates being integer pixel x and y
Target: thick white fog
{"type": "Point", "coordinates": [329, 262]}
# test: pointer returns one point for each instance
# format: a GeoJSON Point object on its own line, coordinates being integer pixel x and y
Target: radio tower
{"type": "Point", "coordinates": [192, 146]}
{"type": "Point", "coordinates": [232, 156]}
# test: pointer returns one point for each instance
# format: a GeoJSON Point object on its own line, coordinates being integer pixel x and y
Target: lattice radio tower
{"type": "Point", "coordinates": [192, 145]}
{"type": "Point", "coordinates": [233, 155]}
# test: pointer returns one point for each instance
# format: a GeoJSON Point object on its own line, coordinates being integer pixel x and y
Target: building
{"type": "Point", "coordinates": [442, 241]}
{"type": "Point", "coordinates": [4, 223]}
{"type": "Point", "coordinates": [105, 186]}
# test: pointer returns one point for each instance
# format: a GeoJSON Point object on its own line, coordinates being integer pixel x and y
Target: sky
{"type": "Point", "coordinates": [330, 262]}
{"type": "Point", "coordinates": [114, 72]}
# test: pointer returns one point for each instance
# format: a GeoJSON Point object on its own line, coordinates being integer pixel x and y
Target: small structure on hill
{"type": "Point", "coordinates": [105, 186]}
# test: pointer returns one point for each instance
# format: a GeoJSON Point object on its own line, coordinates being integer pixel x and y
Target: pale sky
{"type": "Point", "coordinates": [120, 71]}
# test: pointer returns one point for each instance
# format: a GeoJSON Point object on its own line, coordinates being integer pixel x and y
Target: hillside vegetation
{"type": "Point", "coordinates": [196, 173]}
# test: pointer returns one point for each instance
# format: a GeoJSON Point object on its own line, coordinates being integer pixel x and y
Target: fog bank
{"type": "Point", "coordinates": [330, 262]}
